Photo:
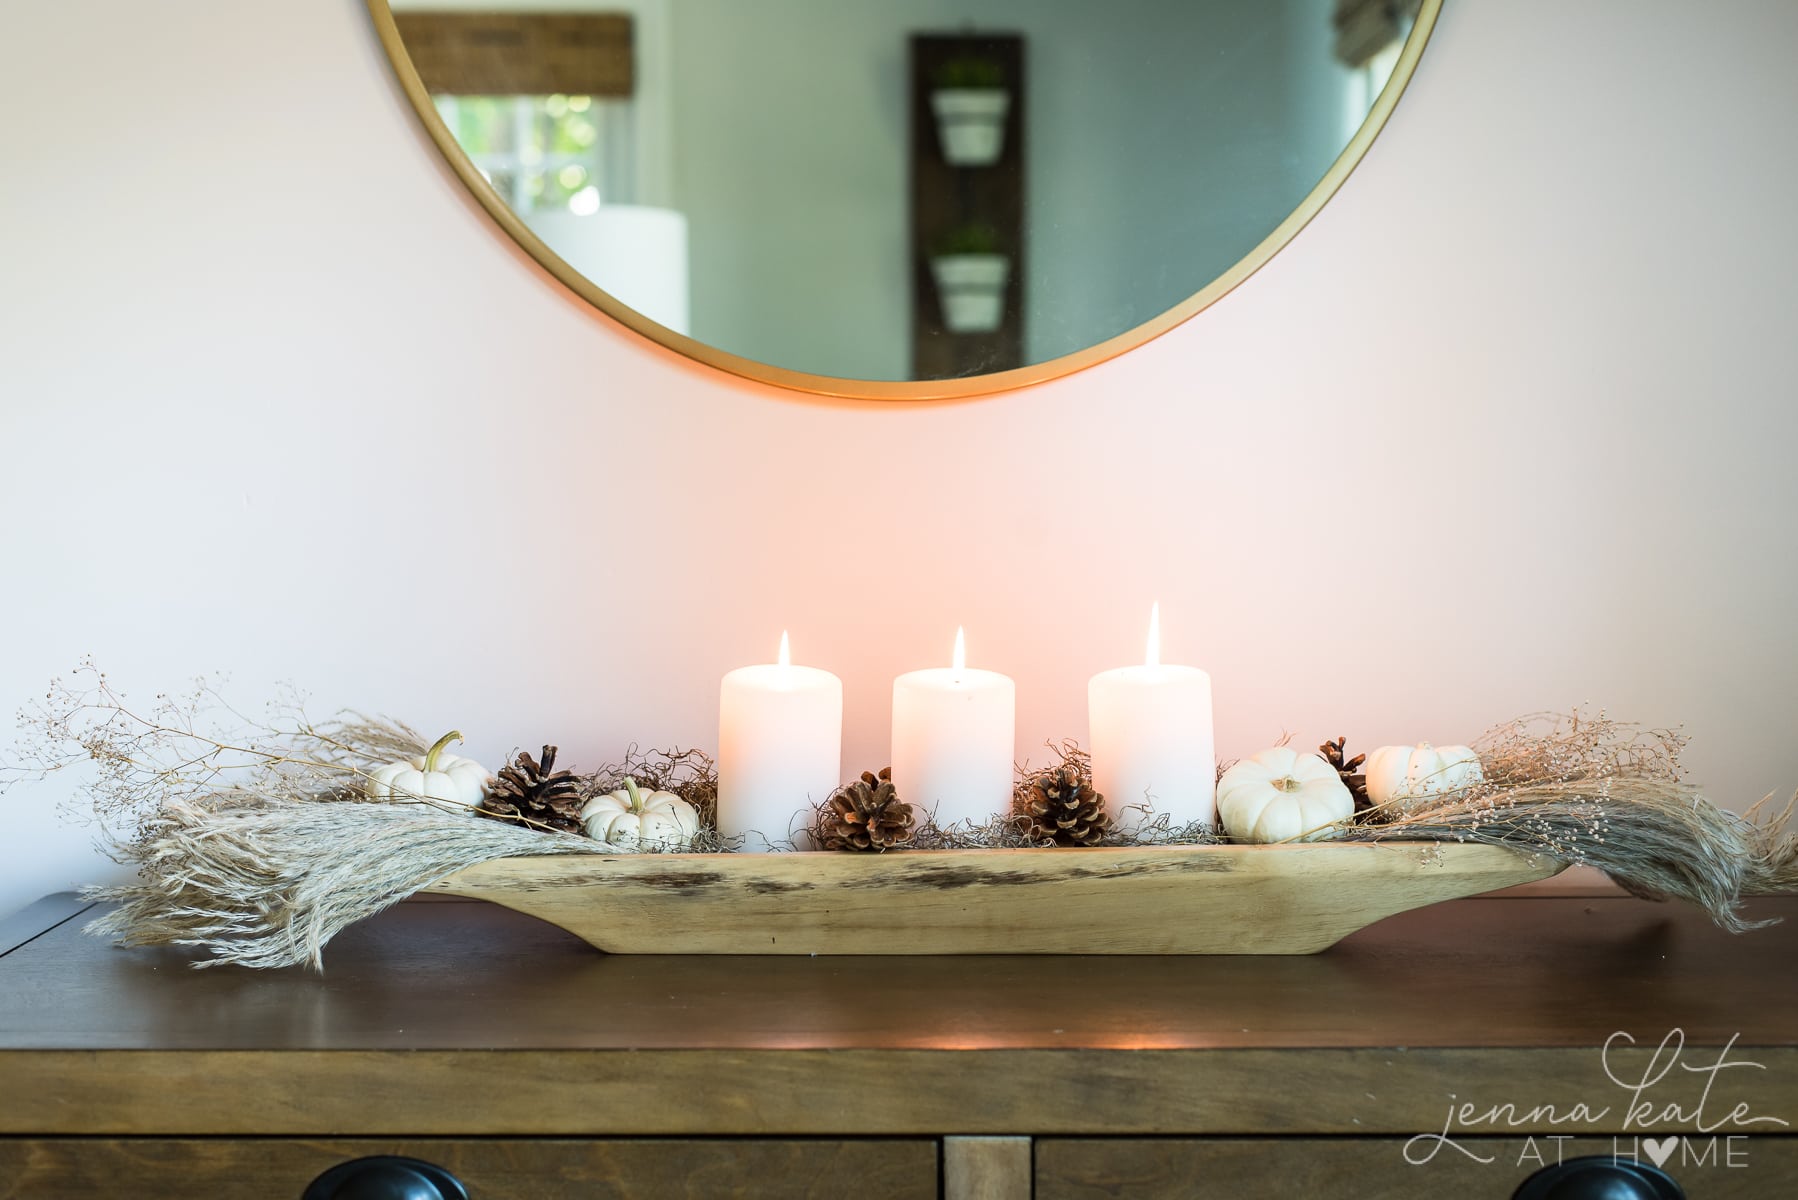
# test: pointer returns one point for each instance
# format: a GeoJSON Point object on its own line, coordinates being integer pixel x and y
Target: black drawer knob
{"type": "Point", "coordinates": [1599, 1178]}
{"type": "Point", "coordinates": [386, 1177]}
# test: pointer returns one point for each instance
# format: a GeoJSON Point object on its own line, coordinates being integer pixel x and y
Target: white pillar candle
{"type": "Point", "coordinates": [954, 730]}
{"type": "Point", "coordinates": [1152, 741]}
{"type": "Point", "coordinates": [780, 750]}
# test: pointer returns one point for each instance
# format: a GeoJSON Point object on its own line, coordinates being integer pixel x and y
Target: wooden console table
{"type": "Point", "coordinates": [529, 1065]}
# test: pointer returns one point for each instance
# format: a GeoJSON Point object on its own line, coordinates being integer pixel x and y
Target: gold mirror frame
{"type": "Point", "coordinates": [924, 389]}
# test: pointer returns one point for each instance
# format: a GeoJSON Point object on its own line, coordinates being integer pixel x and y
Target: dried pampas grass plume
{"type": "Point", "coordinates": [1588, 790]}
{"type": "Point", "coordinates": [262, 882]}
{"type": "Point", "coordinates": [1774, 867]}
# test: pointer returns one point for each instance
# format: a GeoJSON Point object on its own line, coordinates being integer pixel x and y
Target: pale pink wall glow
{"type": "Point", "coordinates": [1509, 427]}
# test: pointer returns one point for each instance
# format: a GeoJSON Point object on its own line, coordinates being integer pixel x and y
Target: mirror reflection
{"type": "Point", "coordinates": [902, 189]}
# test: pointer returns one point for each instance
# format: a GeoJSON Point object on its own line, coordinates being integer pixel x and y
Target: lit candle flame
{"type": "Point", "coordinates": [960, 661]}
{"type": "Point", "coordinates": [786, 658]}
{"type": "Point", "coordinates": [1154, 656]}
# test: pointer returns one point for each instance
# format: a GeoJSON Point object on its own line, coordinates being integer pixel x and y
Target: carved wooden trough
{"type": "Point", "coordinates": [1286, 899]}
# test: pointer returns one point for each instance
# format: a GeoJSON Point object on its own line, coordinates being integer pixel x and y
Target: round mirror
{"type": "Point", "coordinates": [903, 199]}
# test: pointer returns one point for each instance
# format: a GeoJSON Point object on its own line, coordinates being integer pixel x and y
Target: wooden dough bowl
{"type": "Point", "coordinates": [1287, 899]}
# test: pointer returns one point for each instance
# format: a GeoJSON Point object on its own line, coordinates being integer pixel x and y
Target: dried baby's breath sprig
{"type": "Point", "coordinates": [186, 746]}
{"type": "Point", "coordinates": [1577, 745]}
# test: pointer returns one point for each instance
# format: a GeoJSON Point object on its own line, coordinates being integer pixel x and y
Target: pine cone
{"type": "Point", "coordinates": [1348, 770]}
{"type": "Point", "coordinates": [536, 792]}
{"type": "Point", "coordinates": [866, 815]}
{"type": "Point", "coordinates": [1062, 807]}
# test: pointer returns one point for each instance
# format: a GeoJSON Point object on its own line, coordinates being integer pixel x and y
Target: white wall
{"type": "Point", "coordinates": [1508, 427]}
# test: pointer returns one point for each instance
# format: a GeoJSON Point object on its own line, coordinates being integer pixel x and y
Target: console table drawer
{"type": "Point", "coordinates": [518, 1169]}
{"type": "Point", "coordinates": [1364, 1168]}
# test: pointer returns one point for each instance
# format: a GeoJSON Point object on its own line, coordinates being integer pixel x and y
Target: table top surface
{"type": "Point", "coordinates": [464, 975]}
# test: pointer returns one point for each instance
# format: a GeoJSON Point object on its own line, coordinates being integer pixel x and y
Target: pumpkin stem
{"type": "Point", "coordinates": [630, 786]}
{"type": "Point", "coordinates": [437, 748]}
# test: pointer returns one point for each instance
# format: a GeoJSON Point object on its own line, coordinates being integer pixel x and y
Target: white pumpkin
{"type": "Point", "coordinates": [1280, 794]}
{"type": "Point", "coordinates": [432, 775]}
{"type": "Point", "coordinates": [1400, 778]}
{"type": "Point", "coordinates": [636, 819]}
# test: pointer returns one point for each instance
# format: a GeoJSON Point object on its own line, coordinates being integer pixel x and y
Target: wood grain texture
{"type": "Point", "coordinates": [847, 1093]}
{"type": "Point", "coordinates": [536, 1169]}
{"type": "Point", "coordinates": [445, 1017]}
{"type": "Point", "coordinates": [986, 1168]}
{"type": "Point", "coordinates": [433, 974]}
{"type": "Point", "coordinates": [1172, 900]}
{"type": "Point", "coordinates": [1376, 1168]}
{"type": "Point", "coordinates": [521, 53]}
{"type": "Point", "coordinates": [37, 919]}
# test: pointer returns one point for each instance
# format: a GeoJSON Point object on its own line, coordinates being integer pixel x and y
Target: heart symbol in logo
{"type": "Point", "coordinates": [1660, 1151]}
